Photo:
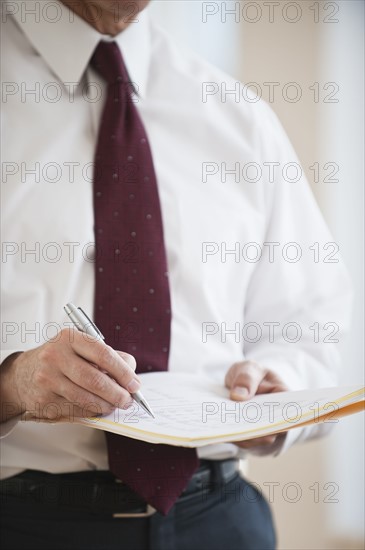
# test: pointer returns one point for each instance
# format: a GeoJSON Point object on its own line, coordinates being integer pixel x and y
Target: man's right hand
{"type": "Point", "coordinates": [71, 376]}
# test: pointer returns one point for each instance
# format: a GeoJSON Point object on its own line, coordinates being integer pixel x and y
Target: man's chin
{"type": "Point", "coordinates": [122, 8]}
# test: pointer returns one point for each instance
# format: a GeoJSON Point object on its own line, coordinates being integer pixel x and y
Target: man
{"type": "Point", "coordinates": [115, 197]}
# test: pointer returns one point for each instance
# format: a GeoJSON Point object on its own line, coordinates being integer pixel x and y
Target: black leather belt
{"type": "Point", "coordinates": [100, 492]}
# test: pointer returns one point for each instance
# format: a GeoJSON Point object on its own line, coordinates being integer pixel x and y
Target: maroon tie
{"type": "Point", "coordinates": [132, 298]}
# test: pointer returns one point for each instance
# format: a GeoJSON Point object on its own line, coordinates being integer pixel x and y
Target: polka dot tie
{"type": "Point", "coordinates": [132, 298]}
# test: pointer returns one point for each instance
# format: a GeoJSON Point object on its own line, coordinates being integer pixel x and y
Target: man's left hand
{"type": "Point", "coordinates": [247, 379]}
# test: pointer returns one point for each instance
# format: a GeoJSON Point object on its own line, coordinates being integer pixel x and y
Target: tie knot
{"type": "Point", "coordinates": [108, 62]}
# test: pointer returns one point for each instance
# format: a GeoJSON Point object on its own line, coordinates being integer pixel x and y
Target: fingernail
{"type": "Point", "coordinates": [133, 386]}
{"type": "Point", "coordinates": [241, 392]}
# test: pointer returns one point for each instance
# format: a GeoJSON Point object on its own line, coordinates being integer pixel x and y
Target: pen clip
{"type": "Point", "coordinates": [91, 323]}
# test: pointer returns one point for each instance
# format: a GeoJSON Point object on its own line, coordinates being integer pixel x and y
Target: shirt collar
{"type": "Point", "coordinates": [68, 44]}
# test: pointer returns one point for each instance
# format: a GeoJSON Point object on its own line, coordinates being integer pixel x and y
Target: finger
{"type": "Point", "coordinates": [89, 412]}
{"type": "Point", "coordinates": [96, 382]}
{"type": "Point", "coordinates": [102, 355]}
{"type": "Point", "coordinates": [75, 402]}
{"type": "Point", "coordinates": [265, 441]}
{"type": "Point", "coordinates": [71, 412]}
{"type": "Point", "coordinates": [76, 397]}
{"type": "Point", "coordinates": [74, 412]}
{"type": "Point", "coordinates": [267, 386]}
{"type": "Point", "coordinates": [128, 359]}
{"type": "Point", "coordinates": [243, 380]}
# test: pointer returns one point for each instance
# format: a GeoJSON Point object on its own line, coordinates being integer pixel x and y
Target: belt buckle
{"type": "Point", "coordinates": [150, 510]}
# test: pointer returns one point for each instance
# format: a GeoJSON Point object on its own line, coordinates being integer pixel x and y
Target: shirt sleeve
{"type": "Point", "coordinates": [299, 297]}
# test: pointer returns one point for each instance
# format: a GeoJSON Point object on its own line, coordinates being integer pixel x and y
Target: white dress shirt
{"type": "Point", "coordinates": [223, 303]}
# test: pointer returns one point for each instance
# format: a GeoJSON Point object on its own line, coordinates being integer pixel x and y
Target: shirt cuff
{"type": "Point", "coordinates": [7, 427]}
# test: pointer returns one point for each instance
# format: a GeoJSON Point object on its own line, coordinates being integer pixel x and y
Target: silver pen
{"type": "Point", "coordinates": [84, 324]}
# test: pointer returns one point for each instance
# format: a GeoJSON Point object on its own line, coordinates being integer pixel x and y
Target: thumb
{"type": "Point", "coordinates": [243, 380]}
{"type": "Point", "coordinates": [239, 393]}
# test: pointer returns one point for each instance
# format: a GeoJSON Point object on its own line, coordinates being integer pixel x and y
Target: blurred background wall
{"type": "Point", "coordinates": [316, 48]}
